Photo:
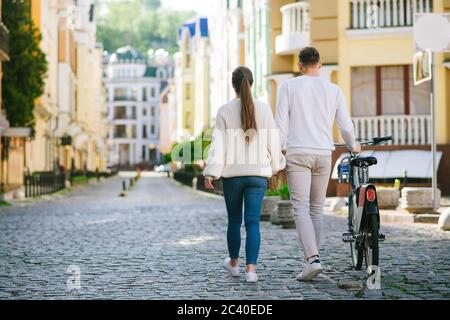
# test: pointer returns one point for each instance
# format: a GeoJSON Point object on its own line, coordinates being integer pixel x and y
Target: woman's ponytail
{"type": "Point", "coordinates": [242, 82]}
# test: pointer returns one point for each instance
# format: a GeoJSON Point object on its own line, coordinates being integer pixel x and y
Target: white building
{"type": "Point", "coordinates": [134, 85]}
{"type": "Point", "coordinates": [227, 50]}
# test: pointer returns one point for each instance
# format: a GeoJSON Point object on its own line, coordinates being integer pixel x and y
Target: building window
{"type": "Point", "coordinates": [133, 112]}
{"type": "Point", "coordinates": [187, 120]}
{"type": "Point", "coordinates": [143, 152]}
{"type": "Point", "coordinates": [120, 131]}
{"type": "Point", "coordinates": [144, 111]}
{"type": "Point", "coordinates": [188, 91]}
{"type": "Point", "coordinates": [132, 133]}
{"type": "Point", "coordinates": [125, 94]}
{"type": "Point", "coordinates": [152, 129]}
{"type": "Point", "coordinates": [144, 94]}
{"type": "Point", "coordinates": [144, 132]}
{"type": "Point", "coordinates": [388, 90]}
{"type": "Point", "coordinates": [153, 92]}
{"type": "Point", "coordinates": [153, 111]}
{"type": "Point", "coordinates": [120, 112]}
{"type": "Point", "coordinates": [188, 60]}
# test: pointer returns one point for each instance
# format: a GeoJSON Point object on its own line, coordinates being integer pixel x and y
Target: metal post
{"type": "Point", "coordinates": [405, 178]}
{"type": "Point", "coordinates": [433, 132]}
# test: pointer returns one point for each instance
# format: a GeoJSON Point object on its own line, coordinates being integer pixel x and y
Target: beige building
{"type": "Point", "coordinates": [70, 130]}
{"type": "Point", "coordinates": [168, 118]}
{"type": "Point", "coordinates": [195, 76]}
{"type": "Point", "coordinates": [227, 50]}
{"type": "Point", "coordinates": [41, 149]}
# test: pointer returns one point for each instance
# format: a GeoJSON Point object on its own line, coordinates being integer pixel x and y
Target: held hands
{"type": "Point", "coordinates": [208, 183]}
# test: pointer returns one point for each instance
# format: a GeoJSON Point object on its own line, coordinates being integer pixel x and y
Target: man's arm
{"type": "Point", "coordinates": [282, 114]}
{"type": "Point", "coordinates": [345, 124]}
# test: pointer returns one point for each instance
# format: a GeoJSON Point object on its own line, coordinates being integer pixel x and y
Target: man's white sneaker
{"type": "Point", "coordinates": [233, 270]}
{"type": "Point", "coordinates": [310, 271]}
{"type": "Point", "coordinates": [251, 276]}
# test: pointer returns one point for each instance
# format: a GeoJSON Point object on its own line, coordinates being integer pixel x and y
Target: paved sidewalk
{"type": "Point", "coordinates": [165, 241]}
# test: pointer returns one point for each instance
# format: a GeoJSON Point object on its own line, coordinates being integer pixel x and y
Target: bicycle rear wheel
{"type": "Point", "coordinates": [371, 242]}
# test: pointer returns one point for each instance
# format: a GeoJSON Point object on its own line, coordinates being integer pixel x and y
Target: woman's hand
{"type": "Point", "coordinates": [208, 183]}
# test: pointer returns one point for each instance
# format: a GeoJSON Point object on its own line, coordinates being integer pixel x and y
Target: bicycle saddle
{"type": "Point", "coordinates": [364, 161]}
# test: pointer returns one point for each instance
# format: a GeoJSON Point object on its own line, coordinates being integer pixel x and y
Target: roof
{"type": "Point", "coordinates": [127, 53]}
{"type": "Point", "coordinates": [195, 26]}
{"type": "Point", "coordinates": [150, 72]}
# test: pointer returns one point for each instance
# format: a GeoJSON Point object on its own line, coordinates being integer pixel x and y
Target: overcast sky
{"type": "Point", "coordinates": [201, 6]}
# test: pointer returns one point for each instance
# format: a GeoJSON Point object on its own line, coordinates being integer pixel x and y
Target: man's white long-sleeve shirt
{"type": "Point", "coordinates": [306, 109]}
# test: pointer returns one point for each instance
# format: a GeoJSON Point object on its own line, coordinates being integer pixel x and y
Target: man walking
{"type": "Point", "coordinates": [306, 109]}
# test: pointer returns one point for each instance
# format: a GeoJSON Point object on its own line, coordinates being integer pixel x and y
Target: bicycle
{"type": "Point", "coordinates": [363, 233]}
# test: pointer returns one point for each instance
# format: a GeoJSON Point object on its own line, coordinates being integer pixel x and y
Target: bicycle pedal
{"type": "Point", "coordinates": [382, 237]}
{"type": "Point", "coordinates": [348, 237]}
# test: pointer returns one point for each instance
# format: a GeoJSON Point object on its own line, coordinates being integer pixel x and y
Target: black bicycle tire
{"type": "Point", "coordinates": [374, 230]}
{"type": "Point", "coordinates": [360, 255]}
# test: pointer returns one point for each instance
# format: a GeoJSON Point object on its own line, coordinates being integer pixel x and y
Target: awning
{"type": "Point", "coordinates": [392, 164]}
{"type": "Point", "coordinates": [17, 132]}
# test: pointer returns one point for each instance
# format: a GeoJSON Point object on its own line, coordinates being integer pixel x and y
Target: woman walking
{"type": "Point", "coordinates": [245, 151]}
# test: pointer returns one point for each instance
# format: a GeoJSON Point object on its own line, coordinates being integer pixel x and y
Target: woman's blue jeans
{"type": "Point", "coordinates": [244, 194]}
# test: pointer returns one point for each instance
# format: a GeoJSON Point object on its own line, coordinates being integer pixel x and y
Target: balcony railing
{"type": "Point", "coordinates": [125, 98]}
{"type": "Point", "coordinates": [295, 28]}
{"type": "Point", "coordinates": [373, 14]}
{"type": "Point", "coordinates": [122, 116]}
{"type": "Point", "coordinates": [4, 42]}
{"type": "Point", "coordinates": [404, 129]}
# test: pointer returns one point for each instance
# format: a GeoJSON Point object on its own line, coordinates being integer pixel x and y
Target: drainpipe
{"type": "Point", "coordinates": [56, 127]}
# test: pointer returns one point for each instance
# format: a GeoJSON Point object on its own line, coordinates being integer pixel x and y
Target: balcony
{"type": "Point", "coordinates": [404, 129]}
{"type": "Point", "coordinates": [4, 43]}
{"type": "Point", "coordinates": [295, 28]}
{"type": "Point", "coordinates": [384, 18]}
{"type": "Point", "coordinates": [125, 98]}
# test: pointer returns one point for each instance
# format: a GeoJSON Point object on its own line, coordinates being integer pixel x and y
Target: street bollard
{"type": "Point", "coordinates": [124, 189]}
{"type": "Point", "coordinates": [405, 178]}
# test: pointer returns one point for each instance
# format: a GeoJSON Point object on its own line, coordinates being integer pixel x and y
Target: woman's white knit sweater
{"type": "Point", "coordinates": [230, 155]}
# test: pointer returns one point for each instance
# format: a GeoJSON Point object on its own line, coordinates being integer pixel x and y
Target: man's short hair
{"type": "Point", "coordinates": [309, 56]}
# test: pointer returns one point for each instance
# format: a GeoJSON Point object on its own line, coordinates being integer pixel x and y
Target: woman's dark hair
{"type": "Point", "coordinates": [242, 80]}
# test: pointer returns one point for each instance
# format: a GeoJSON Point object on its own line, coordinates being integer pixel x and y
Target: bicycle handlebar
{"type": "Point", "coordinates": [368, 142]}
{"type": "Point", "coordinates": [381, 139]}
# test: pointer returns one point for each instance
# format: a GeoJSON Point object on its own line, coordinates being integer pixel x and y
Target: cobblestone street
{"type": "Point", "coordinates": [165, 241]}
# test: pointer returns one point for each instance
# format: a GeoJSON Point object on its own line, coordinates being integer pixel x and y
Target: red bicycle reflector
{"type": "Point", "coordinates": [371, 195]}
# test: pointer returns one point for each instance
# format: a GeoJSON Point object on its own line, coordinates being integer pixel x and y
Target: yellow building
{"type": "Point", "coordinates": [74, 104]}
{"type": "Point", "coordinates": [195, 77]}
{"type": "Point", "coordinates": [373, 66]}
{"type": "Point", "coordinates": [41, 151]}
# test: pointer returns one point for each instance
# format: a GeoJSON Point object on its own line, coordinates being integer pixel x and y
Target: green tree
{"type": "Point", "coordinates": [23, 75]}
{"type": "Point", "coordinates": [140, 23]}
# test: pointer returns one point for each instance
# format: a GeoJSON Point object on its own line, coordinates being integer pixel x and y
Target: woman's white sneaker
{"type": "Point", "coordinates": [233, 270]}
{"type": "Point", "coordinates": [310, 270]}
{"type": "Point", "coordinates": [251, 276]}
